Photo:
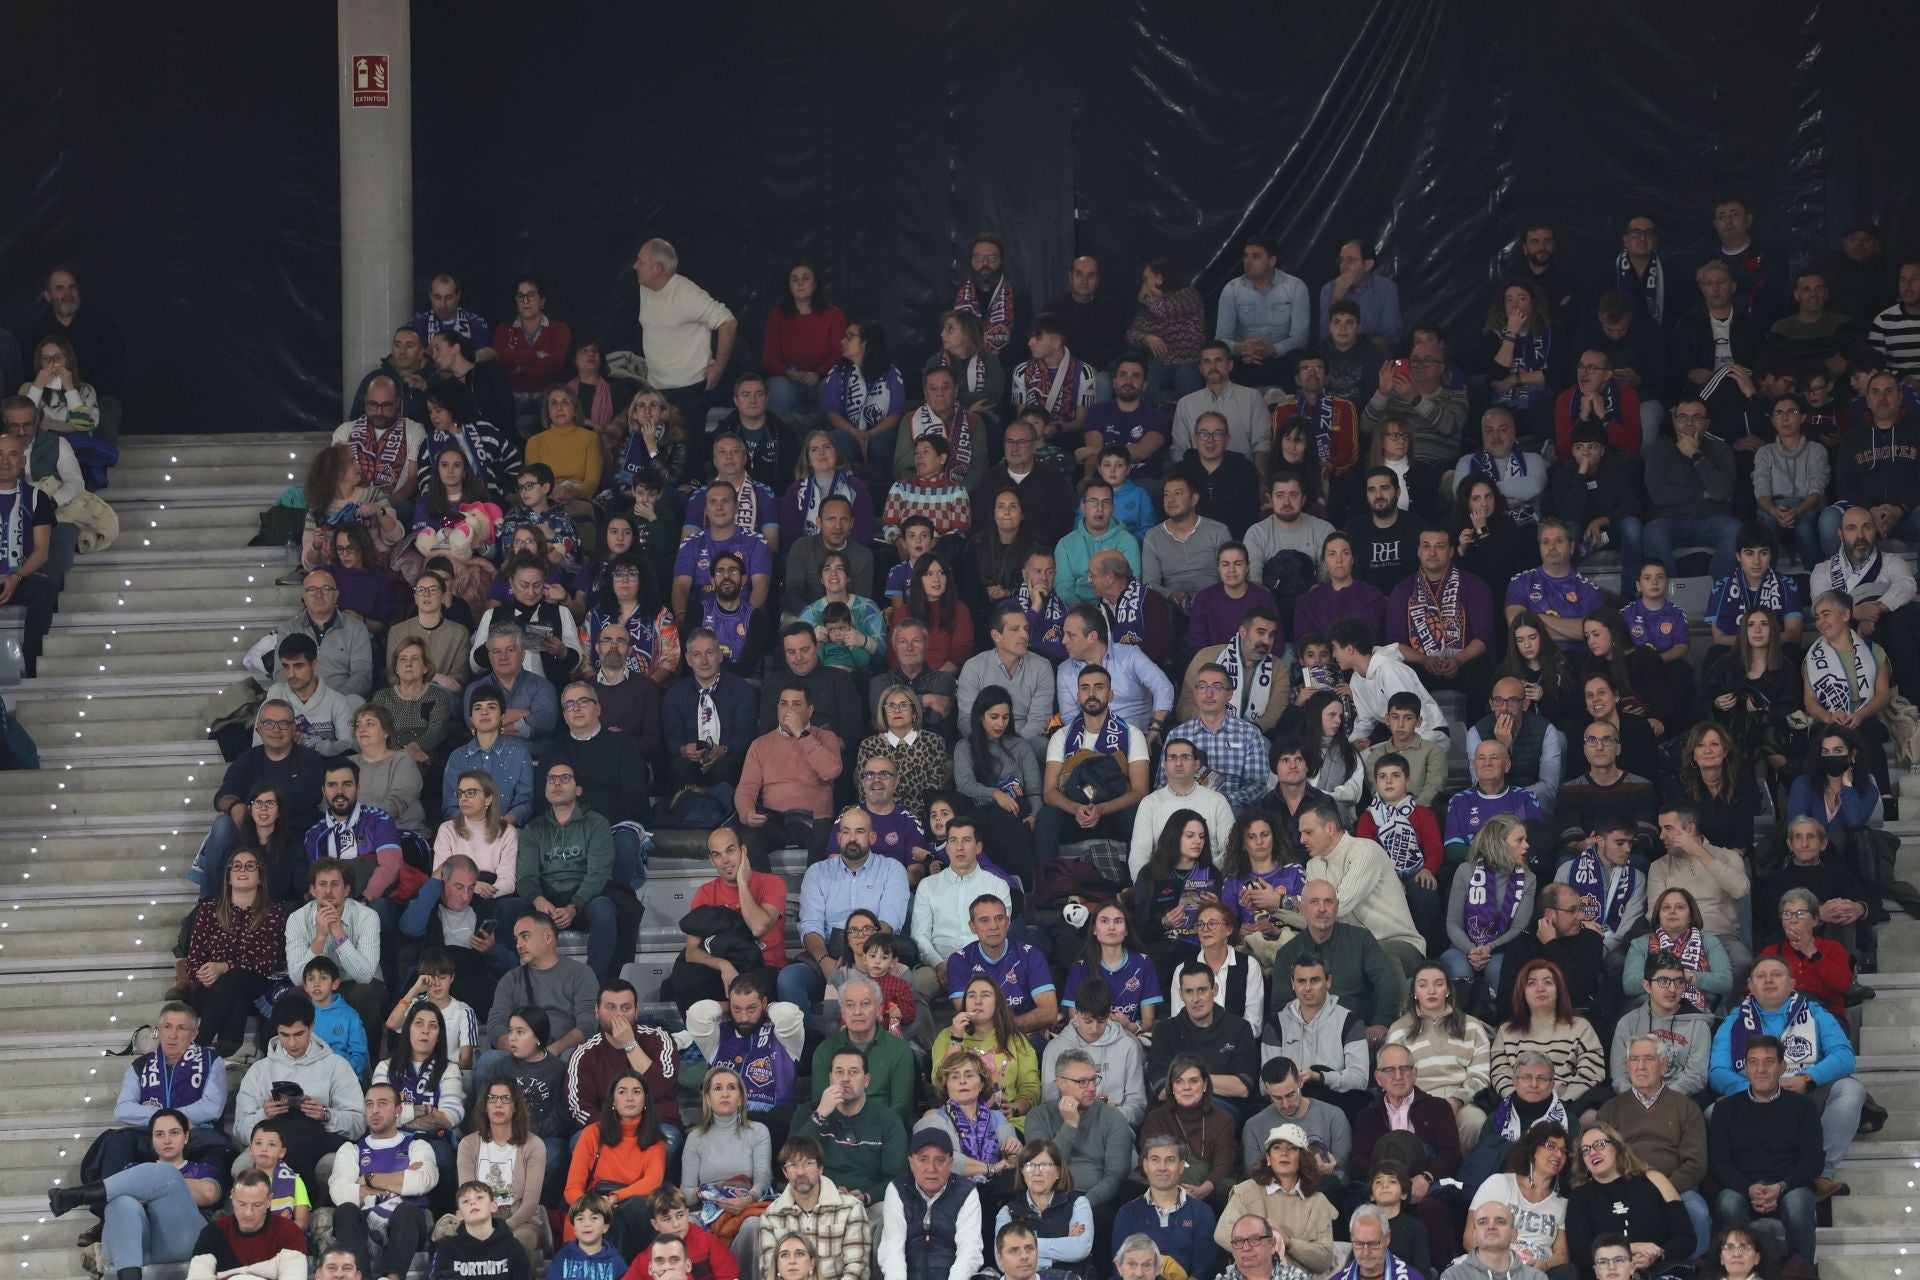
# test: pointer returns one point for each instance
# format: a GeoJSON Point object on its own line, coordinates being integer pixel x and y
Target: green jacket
{"type": "Point", "coordinates": [574, 859]}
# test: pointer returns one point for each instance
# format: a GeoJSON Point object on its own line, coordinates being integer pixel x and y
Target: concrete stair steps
{"type": "Point", "coordinates": [18, 1100]}
{"type": "Point", "coordinates": [1885, 1178]}
{"type": "Point", "coordinates": [70, 756]}
{"type": "Point", "coordinates": [131, 661]}
{"type": "Point", "coordinates": [227, 440]}
{"type": "Point", "coordinates": [25, 1185]}
{"type": "Point", "coordinates": [177, 573]}
{"type": "Point", "coordinates": [151, 537]}
{"type": "Point", "coordinates": [198, 797]}
{"type": "Point", "coordinates": [183, 644]}
{"type": "Point", "coordinates": [64, 866]}
{"type": "Point", "coordinates": [82, 781]}
{"type": "Point", "coordinates": [265, 599]}
{"type": "Point", "coordinates": [215, 555]}
{"type": "Point", "coordinates": [1856, 1210]}
{"type": "Point", "coordinates": [240, 514]}
{"type": "Point", "coordinates": [229, 471]}
{"type": "Point", "coordinates": [64, 726]}
{"type": "Point", "coordinates": [1883, 1264]}
{"type": "Point", "coordinates": [181, 491]}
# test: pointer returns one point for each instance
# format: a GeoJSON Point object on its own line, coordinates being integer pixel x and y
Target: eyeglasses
{"type": "Point", "coordinates": [427, 589]}
{"type": "Point", "coordinates": [1798, 914]}
{"type": "Point", "coordinates": [278, 722]}
{"type": "Point", "coordinates": [803, 1162]}
{"type": "Point", "coordinates": [1533, 1078]}
{"type": "Point", "coordinates": [1612, 1263]}
{"type": "Point", "coordinates": [1209, 435]}
{"type": "Point", "coordinates": [1498, 701]}
{"type": "Point", "coordinates": [1211, 924]}
{"type": "Point", "coordinates": [525, 296]}
{"type": "Point", "coordinates": [1737, 1246]}
{"type": "Point", "coordinates": [564, 779]}
{"type": "Point", "coordinates": [1788, 412]}
{"type": "Point", "coordinates": [319, 591]}
{"type": "Point", "coordinates": [626, 575]}
{"type": "Point", "coordinates": [1668, 981]}
{"type": "Point", "coordinates": [1394, 1071]}
{"type": "Point", "coordinates": [574, 704]}
{"type": "Point", "coordinates": [1599, 740]}
{"type": "Point", "coordinates": [1097, 504]}
{"type": "Point", "coordinates": [1078, 1082]}
{"type": "Point", "coordinates": [468, 793]}
{"type": "Point", "coordinates": [1240, 1242]}
{"type": "Point", "coordinates": [498, 1097]}
{"type": "Point", "coordinates": [1211, 686]}
{"type": "Point", "coordinates": [1034, 1166]}
{"type": "Point", "coordinates": [1593, 368]}
{"type": "Point", "coordinates": [860, 930]}
{"type": "Point", "coordinates": [243, 866]}
{"type": "Point", "coordinates": [877, 775]}
{"type": "Point", "coordinates": [1593, 1148]}
{"type": "Point", "coordinates": [1689, 417]}
{"type": "Point", "coordinates": [265, 802]}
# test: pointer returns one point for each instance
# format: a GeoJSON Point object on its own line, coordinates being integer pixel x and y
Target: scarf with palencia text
{"type": "Point", "coordinates": [1394, 832]}
{"type": "Point", "coordinates": [996, 318]}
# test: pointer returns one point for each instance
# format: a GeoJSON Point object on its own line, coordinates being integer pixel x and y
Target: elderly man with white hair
{"type": "Point", "coordinates": [1363, 877]}
{"type": "Point", "coordinates": [686, 336]}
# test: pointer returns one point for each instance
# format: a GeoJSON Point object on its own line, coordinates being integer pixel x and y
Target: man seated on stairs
{"type": "Point", "coordinates": [49, 458]}
{"type": "Point", "coordinates": [305, 1085]}
{"type": "Point", "coordinates": [564, 989]}
{"type": "Point", "coordinates": [345, 649]}
{"type": "Point", "coordinates": [1816, 1060]}
{"type": "Point", "coordinates": [26, 537]}
{"type": "Point", "coordinates": [250, 1239]}
{"type": "Point", "coordinates": [786, 781]}
{"type": "Point", "coordinates": [335, 925]}
{"type": "Point", "coordinates": [180, 1074]}
{"type": "Point", "coordinates": [379, 1187]}
{"type": "Point", "coordinates": [322, 714]}
{"type": "Point", "coordinates": [278, 759]}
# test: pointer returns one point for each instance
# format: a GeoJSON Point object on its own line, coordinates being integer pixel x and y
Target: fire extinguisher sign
{"type": "Point", "coordinates": [369, 72]}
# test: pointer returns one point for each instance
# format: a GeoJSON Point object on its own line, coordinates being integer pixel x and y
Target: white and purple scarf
{"type": "Point", "coordinates": [1394, 832]}
{"type": "Point", "coordinates": [1487, 918]}
{"type": "Point", "coordinates": [977, 1139]}
{"type": "Point", "coordinates": [813, 493]}
{"type": "Point", "coordinates": [959, 444]}
{"type": "Point", "coordinates": [1589, 879]}
{"type": "Point", "coordinates": [1507, 1119]}
{"type": "Point", "coordinates": [1323, 423]}
{"type": "Point", "coordinates": [1249, 687]}
{"type": "Point", "coordinates": [1113, 736]}
{"type": "Point", "coordinates": [863, 403]}
{"type": "Point", "coordinates": [1396, 1270]}
{"type": "Point", "coordinates": [1765, 596]}
{"type": "Point", "coordinates": [1799, 1038]}
{"type": "Point", "coordinates": [1827, 674]}
{"type": "Point", "coordinates": [382, 458]}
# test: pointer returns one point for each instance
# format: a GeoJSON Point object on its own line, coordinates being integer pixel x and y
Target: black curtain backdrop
{"type": "Point", "coordinates": [186, 157]}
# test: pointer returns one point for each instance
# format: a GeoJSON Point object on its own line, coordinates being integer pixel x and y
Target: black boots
{"type": "Point", "coordinates": [66, 1199]}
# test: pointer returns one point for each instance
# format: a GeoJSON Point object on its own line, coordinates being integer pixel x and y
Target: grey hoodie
{"type": "Point", "coordinates": [1469, 1267]}
{"type": "Point", "coordinates": [323, 1073]}
{"type": "Point", "coordinates": [1123, 1074]}
{"type": "Point", "coordinates": [1334, 1043]}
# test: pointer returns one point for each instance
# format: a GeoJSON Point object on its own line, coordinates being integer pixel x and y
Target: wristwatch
{"type": "Point", "coordinates": [629, 1048]}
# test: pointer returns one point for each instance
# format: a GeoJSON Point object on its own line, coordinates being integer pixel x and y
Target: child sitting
{"type": "Point", "coordinates": [707, 1257]}
{"type": "Point", "coordinates": [268, 1149]}
{"type": "Point", "coordinates": [588, 1256]}
{"type": "Point", "coordinates": [1132, 505]}
{"type": "Point", "coordinates": [333, 1020]}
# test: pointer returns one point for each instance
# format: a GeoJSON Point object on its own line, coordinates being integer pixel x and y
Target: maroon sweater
{"type": "Point", "coordinates": [231, 1248]}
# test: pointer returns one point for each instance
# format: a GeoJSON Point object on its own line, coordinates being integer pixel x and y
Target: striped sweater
{"type": "Point", "coordinates": [1579, 1063]}
{"type": "Point", "coordinates": [1448, 1068]}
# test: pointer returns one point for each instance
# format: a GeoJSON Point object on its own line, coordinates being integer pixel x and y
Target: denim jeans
{"type": "Point", "coordinates": [150, 1217]}
{"type": "Point", "coordinates": [1840, 1104]}
{"type": "Point", "coordinates": [1716, 531]}
{"type": "Point", "coordinates": [209, 865]}
{"type": "Point", "coordinates": [1806, 538]}
{"type": "Point", "coordinates": [785, 396]}
{"type": "Point", "coordinates": [1796, 1214]}
{"type": "Point", "coordinates": [1455, 962]}
{"type": "Point", "coordinates": [1167, 382]}
{"type": "Point", "coordinates": [800, 983]}
{"type": "Point", "coordinates": [878, 461]}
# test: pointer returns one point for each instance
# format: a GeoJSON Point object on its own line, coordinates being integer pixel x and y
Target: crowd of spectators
{"type": "Point", "coordinates": [1234, 817]}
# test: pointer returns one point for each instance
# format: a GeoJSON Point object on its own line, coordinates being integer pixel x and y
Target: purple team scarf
{"type": "Point", "coordinates": [996, 317]}
{"type": "Point", "coordinates": [1127, 615]}
{"type": "Point", "coordinates": [1394, 832]}
{"type": "Point", "coordinates": [1047, 620]}
{"type": "Point", "coordinates": [1113, 736]}
{"type": "Point", "coordinates": [1652, 291]}
{"type": "Point", "coordinates": [1435, 620]}
{"type": "Point", "coordinates": [1589, 879]}
{"type": "Point", "coordinates": [1799, 1037]}
{"type": "Point", "coordinates": [1486, 918]}
{"type": "Point", "coordinates": [977, 1135]}
{"type": "Point", "coordinates": [1323, 424]}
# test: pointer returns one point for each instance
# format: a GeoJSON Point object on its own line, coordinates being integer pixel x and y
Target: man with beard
{"type": "Point", "coordinates": [624, 1043]}
{"type": "Point", "coordinates": [829, 893]}
{"type": "Point", "coordinates": [1519, 475]}
{"type": "Point", "coordinates": [334, 924]}
{"type": "Point", "coordinates": [708, 719]}
{"type": "Point", "coordinates": [1242, 409]}
{"type": "Point", "coordinates": [1095, 731]}
{"type": "Point", "coordinates": [1256, 684]}
{"type": "Point", "coordinates": [760, 1041]}
{"type": "Point", "coordinates": [1882, 588]}
{"type": "Point", "coordinates": [693, 566]}
{"type": "Point", "coordinates": [755, 509]}
{"type": "Point", "coordinates": [832, 1222]}
{"type": "Point", "coordinates": [1128, 421]}
{"type": "Point", "coordinates": [322, 714]}
{"type": "Point", "coordinates": [367, 841]}
{"type": "Point", "coordinates": [384, 443]}
{"type": "Point", "coordinates": [379, 1187]}
{"type": "Point", "coordinates": [1283, 551]}
{"type": "Point", "coordinates": [1564, 294]}
{"type": "Point", "coordinates": [94, 335]}
{"type": "Point", "coordinates": [987, 292]}
{"type": "Point", "coordinates": [1385, 540]}
{"type": "Point", "coordinates": [1443, 621]}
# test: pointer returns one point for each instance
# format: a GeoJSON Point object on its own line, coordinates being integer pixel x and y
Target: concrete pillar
{"type": "Point", "coordinates": [376, 181]}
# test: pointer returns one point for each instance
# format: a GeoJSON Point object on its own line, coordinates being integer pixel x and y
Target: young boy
{"type": "Point", "coordinates": [707, 1258]}
{"type": "Point", "coordinates": [1755, 581]}
{"type": "Point", "coordinates": [481, 1246]}
{"type": "Point", "coordinates": [916, 539]}
{"type": "Point", "coordinates": [1426, 762]}
{"type": "Point", "coordinates": [333, 1021]}
{"type": "Point", "coordinates": [1132, 505]}
{"type": "Point", "coordinates": [1313, 668]}
{"type": "Point", "coordinates": [837, 618]}
{"type": "Point", "coordinates": [588, 1256]}
{"type": "Point", "coordinates": [434, 985]}
{"type": "Point", "coordinates": [1389, 1188]}
{"type": "Point", "coordinates": [268, 1148]}
{"type": "Point", "coordinates": [1408, 830]}
{"type": "Point", "coordinates": [1652, 619]}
